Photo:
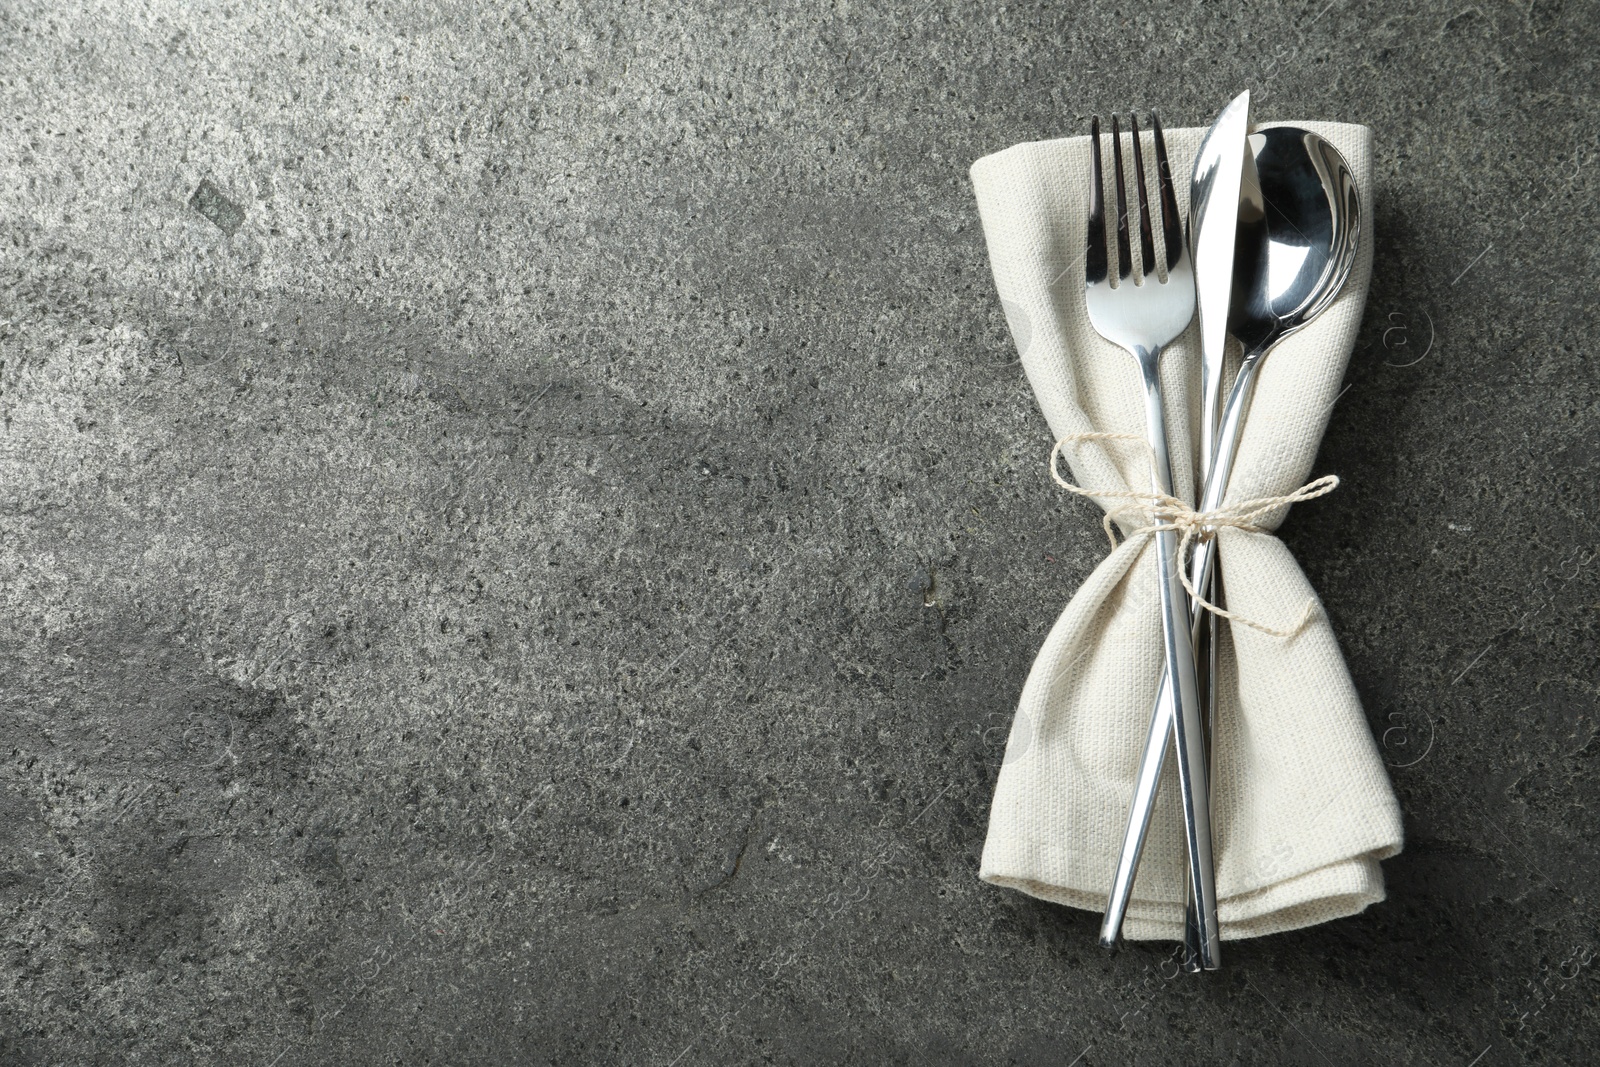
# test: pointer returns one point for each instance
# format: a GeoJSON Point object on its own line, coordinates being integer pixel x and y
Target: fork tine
{"type": "Point", "coordinates": [1171, 228]}
{"type": "Point", "coordinates": [1124, 253]}
{"type": "Point", "coordinates": [1095, 269]}
{"type": "Point", "coordinates": [1147, 241]}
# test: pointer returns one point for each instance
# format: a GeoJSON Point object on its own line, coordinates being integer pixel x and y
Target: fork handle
{"type": "Point", "coordinates": [1151, 764]}
{"type": "Point", "coordinates": [1162, 717]}
{"type": "Point", "coordinates": [1188, 734]}
{"type": "Point", "coordinates": [1189, 742]}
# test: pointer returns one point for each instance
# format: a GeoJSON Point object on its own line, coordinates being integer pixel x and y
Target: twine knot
{"type": "Point", "coordinates": [1170, 513]}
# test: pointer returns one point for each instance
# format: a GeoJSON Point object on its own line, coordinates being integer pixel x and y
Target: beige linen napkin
{"type": "Point", "coordinates": [1302, 808]}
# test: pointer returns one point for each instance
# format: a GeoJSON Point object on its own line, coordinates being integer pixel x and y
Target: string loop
{"type": "Point", "coordinates": [1171, 513]}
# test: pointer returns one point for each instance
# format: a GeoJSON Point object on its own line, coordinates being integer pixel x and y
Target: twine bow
{"type": "Point", "coordinates": [1171, 513]}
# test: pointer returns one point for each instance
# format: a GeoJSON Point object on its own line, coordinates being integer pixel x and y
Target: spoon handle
{"type": "Point", "coordinates": [1165, 714]}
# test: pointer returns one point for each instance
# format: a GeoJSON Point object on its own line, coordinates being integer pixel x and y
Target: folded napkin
{"type": "Point", "coordinates": [1302, 808]}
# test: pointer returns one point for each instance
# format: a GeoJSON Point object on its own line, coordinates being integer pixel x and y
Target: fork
{"type": "Point", "coordinates": [1143, 317]}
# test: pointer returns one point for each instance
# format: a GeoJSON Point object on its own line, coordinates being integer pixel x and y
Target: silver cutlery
{"type": "Point", "coordinates": [1213, 217]}
{"type": "Point", "coordinates": [1213, 225]}
{"type": "Point", "coordinates": [1299, 222]}
{"type": "Point", "coordinates": [1144, 317]}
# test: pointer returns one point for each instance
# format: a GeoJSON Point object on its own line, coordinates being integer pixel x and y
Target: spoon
{"type": "Point", "coordinates": [1298, 231]}
{"type": "Point", "coordinates": [1299, 221]}
{"type": "Point", "coordinates": [1299, 227]}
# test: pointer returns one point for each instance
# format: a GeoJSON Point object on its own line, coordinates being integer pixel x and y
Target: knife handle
{"type": "Point", "coordinates": [1206, 662]}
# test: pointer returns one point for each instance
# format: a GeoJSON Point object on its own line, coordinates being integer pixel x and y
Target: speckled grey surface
{"type": "Point", "coordinates": [523, 530]}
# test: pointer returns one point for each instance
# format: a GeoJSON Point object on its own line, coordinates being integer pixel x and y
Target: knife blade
{"type": "Point", "coordinates": [1213, 223]}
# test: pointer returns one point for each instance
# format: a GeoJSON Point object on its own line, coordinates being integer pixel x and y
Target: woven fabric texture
{"type": "Point", "coordinates": [1302, 807]}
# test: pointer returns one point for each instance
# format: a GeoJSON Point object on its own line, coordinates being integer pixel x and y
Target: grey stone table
{"type": "Point", "coordinates": [523, 531]}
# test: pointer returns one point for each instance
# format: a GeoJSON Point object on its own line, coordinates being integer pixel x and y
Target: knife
{"type": "Point", "coordinates": [1213, 215]}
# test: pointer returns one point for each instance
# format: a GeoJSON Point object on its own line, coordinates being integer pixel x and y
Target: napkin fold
{"type": "Point", "coordinates": [1302, 809]}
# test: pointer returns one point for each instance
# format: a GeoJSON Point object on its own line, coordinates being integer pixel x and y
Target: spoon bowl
{"type": "Point", "coordinates": [1299, 228]}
